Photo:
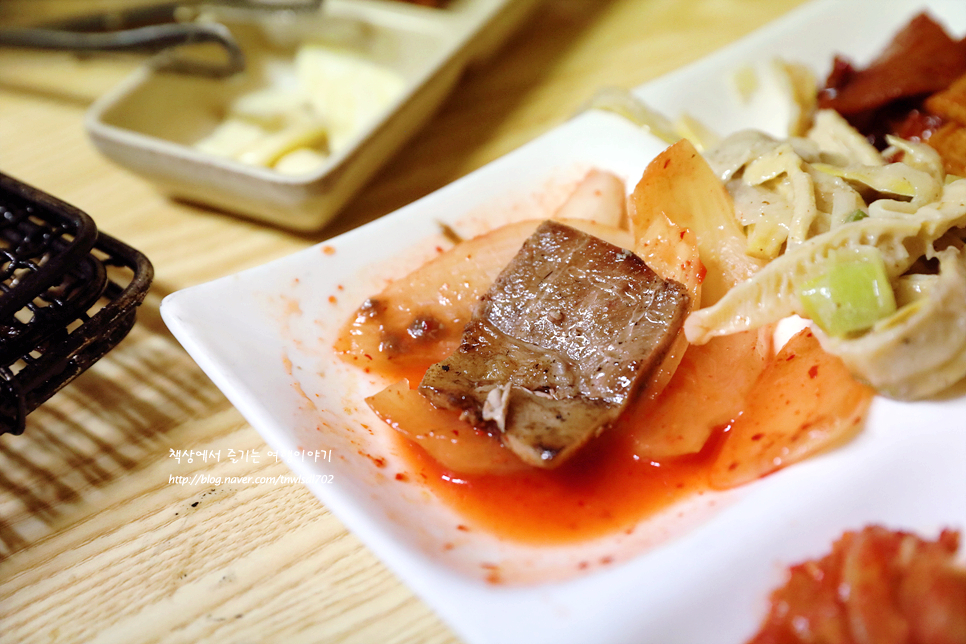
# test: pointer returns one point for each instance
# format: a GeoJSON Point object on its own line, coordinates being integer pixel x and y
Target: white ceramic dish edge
{"type": "Point", "coordinates": [307, 202]}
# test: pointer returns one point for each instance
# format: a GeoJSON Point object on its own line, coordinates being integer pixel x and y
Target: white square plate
{"type": "Point", "coordinates": [699, 574]}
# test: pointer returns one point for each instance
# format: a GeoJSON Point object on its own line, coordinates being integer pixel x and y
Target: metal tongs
{"type": "Point", "coordinates": [154, 29]}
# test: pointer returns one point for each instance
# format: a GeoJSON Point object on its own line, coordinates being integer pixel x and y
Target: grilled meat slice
{"type": "Point", "coordinates": [557, 344]}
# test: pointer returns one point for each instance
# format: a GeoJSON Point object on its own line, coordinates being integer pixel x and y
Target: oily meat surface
{"type": "Point", "coordinates": [556, 346]}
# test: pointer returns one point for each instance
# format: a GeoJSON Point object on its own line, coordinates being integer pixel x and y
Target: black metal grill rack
{"type": "Point", "coordinates": [68, 295]}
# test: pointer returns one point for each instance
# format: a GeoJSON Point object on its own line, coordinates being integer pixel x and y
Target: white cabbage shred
{"type": "Point", "coordinates": [920, 350]}
{"type": "Point", "coordinates": [825, 188]}
{"type": "Point", "coordinates": [802, 199]}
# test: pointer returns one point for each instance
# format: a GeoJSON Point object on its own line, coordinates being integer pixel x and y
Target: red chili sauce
{"type": "Point", "coordinates": [604, 489]}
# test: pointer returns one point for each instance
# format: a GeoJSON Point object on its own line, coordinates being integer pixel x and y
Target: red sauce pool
{"type": "Point", "coordinates": [601, 491]}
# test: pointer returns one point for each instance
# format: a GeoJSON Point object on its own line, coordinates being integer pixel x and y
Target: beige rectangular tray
{"type": "Point", "coordinates": [150, 122]}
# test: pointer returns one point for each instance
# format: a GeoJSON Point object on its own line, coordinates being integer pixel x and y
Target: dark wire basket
{"type": "Point", "coordinates": [68, 295]}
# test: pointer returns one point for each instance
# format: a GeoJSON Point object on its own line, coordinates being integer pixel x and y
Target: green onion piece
{"type": "Point", "coordinates": [852, 294]}
{"type": "Point", "coordinates": [856, 215]}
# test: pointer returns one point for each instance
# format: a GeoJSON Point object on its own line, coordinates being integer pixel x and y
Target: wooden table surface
{"type": "Point", "coordinates": [97, 542]}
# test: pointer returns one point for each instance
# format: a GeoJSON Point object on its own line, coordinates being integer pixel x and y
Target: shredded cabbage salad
{"type": "Point", "coordinates": [867, 245]}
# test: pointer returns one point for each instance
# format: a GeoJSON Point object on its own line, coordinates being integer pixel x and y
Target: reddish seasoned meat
{"type": "Point", "coordinates": [887, 96]}
{"type": "Point", "coordinates": [556, 346]}
{"type": "Point", "coordinates": [920, 60]}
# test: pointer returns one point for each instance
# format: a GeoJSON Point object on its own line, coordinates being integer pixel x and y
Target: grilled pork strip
{"type": "Point", "coordinates": [557, 344]}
